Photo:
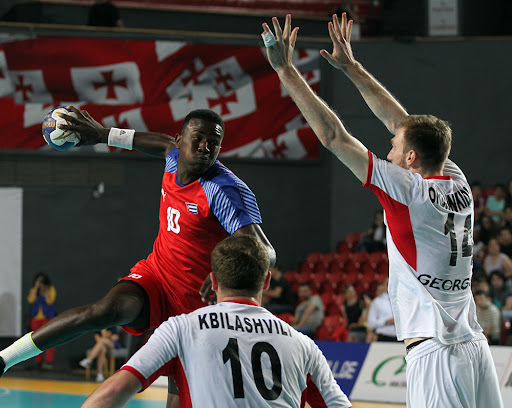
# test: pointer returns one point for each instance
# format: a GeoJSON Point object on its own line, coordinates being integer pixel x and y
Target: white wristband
{"type": "Point", "coordinates": [121, 138]}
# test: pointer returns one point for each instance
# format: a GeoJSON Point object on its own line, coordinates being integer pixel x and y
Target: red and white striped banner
{"type": "Point", "coordinates": [152, 85]}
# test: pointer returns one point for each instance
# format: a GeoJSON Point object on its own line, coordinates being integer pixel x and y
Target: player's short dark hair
{"type": "Point", "coordinates": [204, 114]}
{"type": "Point", "coordinates": [240, 263]}
{"type": "Point", "coordinates": [429, 137]}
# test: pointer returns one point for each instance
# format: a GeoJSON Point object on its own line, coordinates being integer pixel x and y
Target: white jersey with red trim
{"type": "Point", "coordinates": [430, 239]}
{"type": "Point", "coordinates": [238, 355]}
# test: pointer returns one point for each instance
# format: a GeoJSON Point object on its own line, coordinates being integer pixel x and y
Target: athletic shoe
{"type": "Point", "coordinates": [85, 363]}
{"type": "Point", "coordinates": [100, 378]}
{"type": "Point", "coordinates": [2, 366]}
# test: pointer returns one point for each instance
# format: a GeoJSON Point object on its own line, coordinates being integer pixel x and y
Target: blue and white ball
{"type": "Point", "coordinates": [59, 139]}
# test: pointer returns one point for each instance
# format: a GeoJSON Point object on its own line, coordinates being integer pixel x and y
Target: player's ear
{"type": "Point", "coordinates": [177, 140]}
{"type": "Point", "coordinates": [411, 159]}
{"type": "Point", "coordinates": [266, 282]}
{"type": "Point", "coordinates": [215, 283]}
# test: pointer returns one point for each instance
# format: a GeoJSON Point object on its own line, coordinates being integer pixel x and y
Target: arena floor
{"type": "Point", "coordinates": [18, 392]}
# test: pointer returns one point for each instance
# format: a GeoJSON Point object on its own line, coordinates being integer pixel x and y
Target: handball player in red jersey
{"type": "Point", "coordinates": [201, 203]}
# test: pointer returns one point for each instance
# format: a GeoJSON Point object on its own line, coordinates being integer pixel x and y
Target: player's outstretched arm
{"type": "Point", "coordinates": [379, 99]}
{"type": "Point", "coordinates": [91, 133]}
{"type": "Point", "coordinates": [115, 392]}
{"type": "Point", "coordinates": [324, 122]}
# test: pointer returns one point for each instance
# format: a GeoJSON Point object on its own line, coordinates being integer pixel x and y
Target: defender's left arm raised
{"type": "Point", "coordinates": [325, 123]}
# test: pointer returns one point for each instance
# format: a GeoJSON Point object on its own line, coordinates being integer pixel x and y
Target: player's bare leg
{"type": "Point", "coordinates": [173, 401]}
{"type": "Point", "coordinates": [123, 305]}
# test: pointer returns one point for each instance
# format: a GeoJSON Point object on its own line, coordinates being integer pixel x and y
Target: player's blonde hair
{"type": "Point", "coordinates": [241, 263]}
{"type": "Point", "coordinates": [431, 139]}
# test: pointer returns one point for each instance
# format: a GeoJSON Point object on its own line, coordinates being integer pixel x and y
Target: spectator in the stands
{"type": "Point", "coordinates": [497, 260]}
{"type": "Point", "coordinates": [104, 14]}
{"type": "Point", "coordinates": [355, 312]}
{"type": "Point", "coordinates": [495, 203]}
{"type": "Point", "coordinates": [505, 240]}
{"type": "Point", "coordinates": [278, 298]}
{"type": "Point", "coordinates": [478, 198]}
{"type": "Point", "coordinates": [309, 313]}
{"type": "Point", "coordinates": [480, 283]}
{"type": "Point", "coordinates": [485, 229]}
{"type": "Point", "coordinates": [375, 238]}
{"type": "Point", "coordinates": [488, 316]}
{"type": "Point", "coordinates": [499, 288]}
{"type": "Point", "coordinates": [41, 299]}
{"type": "Point", "coordinates": [380, 316]}
{"type": "Point", "coordinates": [507, 216]}
{"type": "Point", "coordinates": [509, 192]}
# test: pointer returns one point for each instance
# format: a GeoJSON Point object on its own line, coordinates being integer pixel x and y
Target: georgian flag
{"type": "Point", "coordinates": [111, 84]}
{"type": "Point", "coordinates": [153, 85]}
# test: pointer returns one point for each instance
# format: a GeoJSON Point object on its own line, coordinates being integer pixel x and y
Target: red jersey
{"type": "Point", "coordinates": [193, 219]}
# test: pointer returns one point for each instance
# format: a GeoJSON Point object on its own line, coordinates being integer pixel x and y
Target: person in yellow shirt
{"type": "Point", "coordinates": [42, 297]}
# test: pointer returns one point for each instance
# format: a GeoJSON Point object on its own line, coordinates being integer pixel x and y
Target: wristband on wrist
{"type": "Point", "coordinates": [121, 138]}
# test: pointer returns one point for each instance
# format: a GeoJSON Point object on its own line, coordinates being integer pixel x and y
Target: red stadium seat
{"type": "Point", "coordinates": [352, 276]}
{"type": "Point", "coordinates": [339, 299]}
{"type": "Point", "coordinates": [329, 325]}
{"type": "Point", "coordinates": [327, 298]}
{"type": "Point", "coordinates": [314, 257]}
{"type": "Point", "coordinates": [383, 269]}
{"type": "Point", "coordinates": [287, 317]}
{"type": "Point", "coordinates": [329, 258]}
{"type": "Point", "coordinates": [376, 258]}
{"type": "Point", "coordinates": [342, 248]}
{"type": "Point", "coordinates": [290, 276]}
{"type": "Point", "coordinates": [332, 309]}
{"type": "Point", "coordinates": [360, 257]}
{"type": "Point", "coordinates": [352, 240]}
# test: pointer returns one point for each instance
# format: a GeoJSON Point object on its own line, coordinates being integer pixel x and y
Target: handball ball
{"type": "Point", "coordinates": [59, 139]}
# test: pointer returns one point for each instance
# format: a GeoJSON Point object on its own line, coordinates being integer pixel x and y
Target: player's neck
{"type": "Point", "coordinates": [226, 298]}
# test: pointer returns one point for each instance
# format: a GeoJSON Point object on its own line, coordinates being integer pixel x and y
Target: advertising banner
{"type": "Point", "coordinates": [382, 377]}
{"type": "Point", "coordinates": [345, 361]}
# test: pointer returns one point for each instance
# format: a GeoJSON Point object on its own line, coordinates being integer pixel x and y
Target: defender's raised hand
{"type": "Point", "coordinates": [340, 35]}
{"type": "Point", "coordinates": [281, 45]}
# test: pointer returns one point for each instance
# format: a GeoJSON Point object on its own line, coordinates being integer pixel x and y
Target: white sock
{"type": "Point", "coordinates": [21, 350]}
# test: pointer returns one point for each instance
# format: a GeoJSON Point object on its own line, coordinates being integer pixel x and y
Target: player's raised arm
{"type": "Point", "coordinates": [379, 99]}
{"type": "Point", "coordinates": [91, 133]}
{"type": "Point", "coordinates": [324, 122]}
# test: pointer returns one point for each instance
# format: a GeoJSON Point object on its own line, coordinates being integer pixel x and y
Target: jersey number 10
{"type": "Point", "coordinates": [230, 353]}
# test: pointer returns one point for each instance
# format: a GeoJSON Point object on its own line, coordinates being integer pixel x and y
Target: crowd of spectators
{"type": "Point", "coordinates": [492, 263]}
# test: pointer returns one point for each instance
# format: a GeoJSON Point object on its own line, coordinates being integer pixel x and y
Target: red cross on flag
{"type": "Point", "coordinates": [153, 85]}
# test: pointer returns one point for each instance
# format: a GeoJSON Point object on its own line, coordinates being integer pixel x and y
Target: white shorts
{"type": "Point", "coordinates": [460, 375]}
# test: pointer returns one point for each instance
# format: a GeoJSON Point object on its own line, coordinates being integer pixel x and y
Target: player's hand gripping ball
{"type": "Point", "coordinates": [59, 139]}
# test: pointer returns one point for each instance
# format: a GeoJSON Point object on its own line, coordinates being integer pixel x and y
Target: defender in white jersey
{"type": "Point", "coordinates": [429, 215]}
{"type": "Point", "coordinates": [233, 354]}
